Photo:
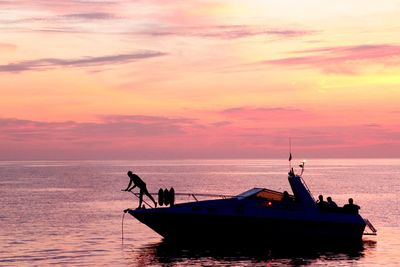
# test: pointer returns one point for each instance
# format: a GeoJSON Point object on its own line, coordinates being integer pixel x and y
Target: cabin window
{"type": "Point", "coordinates": [271, 195]}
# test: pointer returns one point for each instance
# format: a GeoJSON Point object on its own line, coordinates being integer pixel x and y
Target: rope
{"type": "Point", "coordinates": [122, 225]}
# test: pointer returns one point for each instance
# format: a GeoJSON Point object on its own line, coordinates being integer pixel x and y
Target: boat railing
{"type": "Point", "coordinates": [371, 227]}
{"type": "Point", "coordinates": [195, 196]}
{"type": "Point", "coordinates": [306, 187]}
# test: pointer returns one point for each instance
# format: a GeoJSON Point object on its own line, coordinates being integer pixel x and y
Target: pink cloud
{"type": "Point", "coordinates": [111, 137]}
{"type": "Point", "coordinates": [108, 127]}
{"type": "Point", "coordinates": [139, 136]}
{"type": "Point", "coordinates": [67, 16]}
{"type": "Point", "coordinates": [343, 60]}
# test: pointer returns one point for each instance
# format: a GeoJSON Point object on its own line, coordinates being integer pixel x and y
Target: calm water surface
{"type": "Point", "coordinates": [70, 212]}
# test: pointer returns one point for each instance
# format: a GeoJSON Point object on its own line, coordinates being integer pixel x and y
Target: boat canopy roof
{"type": "Point", "coordinates": [249, 193]}
{"type": "Point", "coordinates": [261, 193]}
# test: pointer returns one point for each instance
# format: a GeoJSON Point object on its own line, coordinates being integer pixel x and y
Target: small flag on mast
{"type": "Point", "coordinates": [290, 156]}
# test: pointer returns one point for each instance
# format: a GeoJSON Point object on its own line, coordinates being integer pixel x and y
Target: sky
{"type": "Point", "coordinates": [171, 79]}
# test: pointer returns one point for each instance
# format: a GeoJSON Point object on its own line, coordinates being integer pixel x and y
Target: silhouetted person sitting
{"type": "Point", "coordinates": [331, 204]}
{"type": "Point", "coordinates": [286, 197]}
{"type": "Point", "coordinates": [321, 203]}
{"type": "Point", "coordinates": [351, 208]}
{"type": "Point", "coordinates": [136, 181]}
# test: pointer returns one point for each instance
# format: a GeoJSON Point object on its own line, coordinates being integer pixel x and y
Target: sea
{"type": "Point", "coordinates": [70, 213]}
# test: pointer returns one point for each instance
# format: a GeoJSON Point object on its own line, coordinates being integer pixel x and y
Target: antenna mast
{"type": "Point", "coordinates": [290, 154]}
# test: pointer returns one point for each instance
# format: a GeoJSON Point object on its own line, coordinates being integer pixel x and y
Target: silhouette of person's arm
{"type": "Point", "coordinates": [127, 188]}
{"type": "Point", "coordinates": [134, 185]}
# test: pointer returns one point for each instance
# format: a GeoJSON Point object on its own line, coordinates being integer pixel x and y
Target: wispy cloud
{"type": "Point", "coordinates": [90, 16]}
{"type": "Point", "coordinates": [61, 5]}
{"type": "Point", "coordinates": [59, 16]}
{"type": "Point", "coordinates": [51, 63]}
{"type": "Point", "coordinates": [61, 19]}
{"type": "Point", "coordinates": [225, 31]}
{"type": "Point", "coordinates": [343, 60]}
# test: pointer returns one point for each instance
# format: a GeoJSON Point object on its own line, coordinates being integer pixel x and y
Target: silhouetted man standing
{"type": "Point", "coordinates": [136, 181]}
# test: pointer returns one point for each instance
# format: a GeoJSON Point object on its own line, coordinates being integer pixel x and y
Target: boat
{"type": "Point", "coordinates": [258, 215]}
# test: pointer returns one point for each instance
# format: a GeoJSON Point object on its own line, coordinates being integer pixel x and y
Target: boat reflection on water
{"type": "Point", "coordinates": [178, 254]}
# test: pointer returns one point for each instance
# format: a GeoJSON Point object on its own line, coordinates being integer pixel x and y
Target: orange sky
{"type": "Point", "coordinates": [117, 79]}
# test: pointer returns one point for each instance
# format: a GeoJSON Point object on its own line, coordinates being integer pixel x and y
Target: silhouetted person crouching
{"type": "Point", "coordinates": [136, 181]}
{"type": "Point", "coordinates": [351, 208]}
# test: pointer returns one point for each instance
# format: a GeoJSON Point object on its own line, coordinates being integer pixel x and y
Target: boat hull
{"type": "Point", "coordinates": [196, 227]}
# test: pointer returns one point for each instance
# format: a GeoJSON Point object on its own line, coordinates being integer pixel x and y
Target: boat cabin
{"type": "Point", "coordinates": [265, 194]}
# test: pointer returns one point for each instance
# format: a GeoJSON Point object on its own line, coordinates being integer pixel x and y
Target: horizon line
{"type": "Point", "coordinates": [205, 158]}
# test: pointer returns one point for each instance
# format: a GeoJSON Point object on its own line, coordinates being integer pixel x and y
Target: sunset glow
{"type": "Point", "coordinates": [84, 79]}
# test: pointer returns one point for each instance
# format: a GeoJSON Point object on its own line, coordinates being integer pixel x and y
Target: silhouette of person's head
{"type": "Point", "coordinates": [321, 198]}
{"type": "Point", "coordinates": [350, 201]}
{"type": "Point", "coordinates": [129, 173]}
{"type": "Point", "coordinates": [329, 199]}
